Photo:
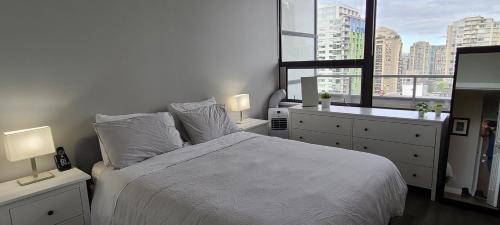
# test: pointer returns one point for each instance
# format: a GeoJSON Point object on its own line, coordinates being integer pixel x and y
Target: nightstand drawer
{"type": "Point", "coordinates": [74, 221]}
{"type": "Point", "coordinates": [49, 211]}
{"type": "Point", "coordinates": [328, 124]}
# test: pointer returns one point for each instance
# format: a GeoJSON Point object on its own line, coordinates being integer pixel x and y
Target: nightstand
{"type": "Point", "coordinates": [254, 126]}
{"type": "Point", "coordinates": [60, 200]}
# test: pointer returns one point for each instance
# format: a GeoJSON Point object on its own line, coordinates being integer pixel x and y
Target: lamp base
{"type": "Point", "coordinates": [242, 121]}
{"type": "Point", "coordinates": [30, 179]}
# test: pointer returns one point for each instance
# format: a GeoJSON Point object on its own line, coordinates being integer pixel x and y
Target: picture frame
{"type": "Point", "coordinates": [460, 126]}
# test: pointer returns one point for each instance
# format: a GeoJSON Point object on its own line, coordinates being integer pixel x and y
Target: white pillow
{"type": "Point", "coordinates": [176, 108]}
{"type": "Point", "coordinates": [206, 123]}
{"type": "Point", "coordinates": [100, 118]}
{"type": "Point", "coordinates": [133, 140]}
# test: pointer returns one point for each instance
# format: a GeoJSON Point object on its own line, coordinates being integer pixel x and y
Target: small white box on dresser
{"type": "Point", "coordinates": [59, 200]}
{"type": "Point", "coordinates": [411, 142]}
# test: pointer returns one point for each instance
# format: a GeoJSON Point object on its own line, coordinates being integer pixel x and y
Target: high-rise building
{"type": "Point", "coordinates": [340, 35]}
{"type": "Point", "coordinates": [437, 60]}
{"type": "Point", "coordinates": [388, 46]}
{"type": "Point", "coordinates": [469, 32]}
{"type": "Point", "coordinates": [419, 58]}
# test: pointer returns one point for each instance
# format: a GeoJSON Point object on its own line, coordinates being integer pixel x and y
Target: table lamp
{"type": "Point", "coordinates": [28, 144]}
{"type": "Point", "coordinates": [240, 103]}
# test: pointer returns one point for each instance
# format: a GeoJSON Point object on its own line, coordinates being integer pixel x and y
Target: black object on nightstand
{"type": "Point", "coordinates": [62, 160]}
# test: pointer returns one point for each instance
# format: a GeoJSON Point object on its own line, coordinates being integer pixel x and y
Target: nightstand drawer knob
{"type": "Point", "coordinates": [338, 126]}
{"type": "Point", "coordinates": [417, 135]}
{"type": "Point", "coordinates": [300, 121]}
{"type": "Point", "coordinates": [414, 175]}
{"type": "Point", "coordinates": [50, 213]}
{"type": "Point", "coordinates": [366, 129]}
{"type": "Point", "coordinates": [337, 143]}
{"type": "Point", "coordinates": [300, 137]}
{"type": "Point", "coordinates": [415, 155]}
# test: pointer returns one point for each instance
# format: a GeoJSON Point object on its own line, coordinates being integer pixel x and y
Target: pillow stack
{"type": "Point", "coordinates": [129, 139]}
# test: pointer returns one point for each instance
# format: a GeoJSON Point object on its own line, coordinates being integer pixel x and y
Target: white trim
{"type": "Point", "coordinates": [453, 190]}
{"type": "Point", "coordinates": [479, 86]}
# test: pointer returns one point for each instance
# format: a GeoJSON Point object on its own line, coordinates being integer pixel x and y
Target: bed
{"type": "Point", "coordinates": [244, 178]}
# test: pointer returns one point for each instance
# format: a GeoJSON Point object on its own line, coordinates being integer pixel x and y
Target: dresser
{"type": "Point", "coordinates": [61, 200]}
{"type": "Point", "coordinates": [412, 143]}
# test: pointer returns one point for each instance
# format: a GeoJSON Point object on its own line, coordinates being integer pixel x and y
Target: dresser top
{"type": "Point", "coordinates": [375, 112]}
{"type": "Point", "coordinates": [11, 191]}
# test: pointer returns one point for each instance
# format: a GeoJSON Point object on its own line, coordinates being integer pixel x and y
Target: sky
{"type": "Point", "coordinates": [425, 20]}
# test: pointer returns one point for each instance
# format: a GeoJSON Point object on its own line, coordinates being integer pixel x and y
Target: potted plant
{"type": "Point", "coordinates": [438, 108]}
{"type": "Point", "coordinates": [422, 108]}
{"type": "Point", "coordinates": [326, 99]}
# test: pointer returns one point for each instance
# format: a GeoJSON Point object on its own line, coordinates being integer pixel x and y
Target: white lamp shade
{"type": "Point", "coordinates": [29, 143]}
{"type": "Point", "coordinates": [240, 103]}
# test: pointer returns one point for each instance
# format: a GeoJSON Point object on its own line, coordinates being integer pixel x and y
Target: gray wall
{"type": "Point", "coordinates": [63, 61]}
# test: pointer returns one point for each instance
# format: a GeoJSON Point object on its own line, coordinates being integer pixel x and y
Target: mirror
{"type": "Point", "coordinates": [472, 173]}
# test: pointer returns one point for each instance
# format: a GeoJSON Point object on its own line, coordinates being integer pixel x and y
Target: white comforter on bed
{"type": "Point", "coordinates": [249, 179]}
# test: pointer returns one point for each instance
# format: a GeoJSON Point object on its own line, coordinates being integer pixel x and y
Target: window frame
{"type": "Point", "coordinates": [365, 64]}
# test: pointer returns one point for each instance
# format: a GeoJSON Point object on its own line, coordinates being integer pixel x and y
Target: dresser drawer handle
{"type": "Point", "coordinates": [366, 129]}
{"type": "Point", "coordinates": [417, 135]}
{"type": "Point", "coordinates": [337, 143]}
{"type": "Point", "coordinates": [338, 126]}
{"type": "Point", "coordinates": [414, 175]}
{"type": "Point", "coordinates": [50, 213]}
{"type": "Point", "coordinates": [300, 121]}
{"type": "Point", "coordinates": [415, 155]}
{"type": "Point", "coordinates": [365, 147]}
{"type": "Point", "coordinates": [300, 137]}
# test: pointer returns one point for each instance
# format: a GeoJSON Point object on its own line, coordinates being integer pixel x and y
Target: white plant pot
{"type": "Point", "coordinates": [325, 103]}
{"type": "Point", "coordinates": [438, 112]}
{"type": "Point", "coordinates": [421, 113]}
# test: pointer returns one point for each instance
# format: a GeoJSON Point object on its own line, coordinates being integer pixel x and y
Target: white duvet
{"type": "Point", "coordinates": [248, 179]}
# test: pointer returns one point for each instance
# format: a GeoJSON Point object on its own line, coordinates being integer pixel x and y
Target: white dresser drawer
{"type": "Point", "coordinates": [74, 221]}
{"type": "Point", "coordinates": [326, 124]}
{"type": "Point", "coordinates": [334, 140]}
{"type": "Point", "coordinates": [49, 211]}
{"type": "Point", "coordinates": [397, 152]}
{"type": "Point", "coordinates": [419, 176]}
{"type": "Point", "coordinates": [397, 132]}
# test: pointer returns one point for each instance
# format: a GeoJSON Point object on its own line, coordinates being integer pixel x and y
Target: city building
{"type": "Point", "coordinates": [340, 35]}
{"type": "Point", "coordinates": [388, 47]}
{"type": "Point", "coordinates": [437, 60]}
{"type": "Point", "coordinates": [419, 58]}
{"type": "Point", "coordinates": [469, 32]}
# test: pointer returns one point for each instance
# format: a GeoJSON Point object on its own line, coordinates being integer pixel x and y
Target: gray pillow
{"type": "Point", "coordinates": [206, 123]}
{"type": "Point", "coordinates": [100, 118]}
{"type": "Point", "coordinates": [176, 108]}
{"type": "Point", "coordinates": [133, 140]}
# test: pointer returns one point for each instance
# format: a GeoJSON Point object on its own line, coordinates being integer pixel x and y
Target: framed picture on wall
{"type": "Point", "coordinates": [460, 126]}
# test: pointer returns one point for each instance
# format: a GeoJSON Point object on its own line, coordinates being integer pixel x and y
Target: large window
{"type": "Point", "coordinates": [403, 56]}
{"type": "Point", "coordinates": [330, 31]}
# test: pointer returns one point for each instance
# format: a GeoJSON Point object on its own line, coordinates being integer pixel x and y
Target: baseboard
{"type": "Point", "coordinates": [453, 190]}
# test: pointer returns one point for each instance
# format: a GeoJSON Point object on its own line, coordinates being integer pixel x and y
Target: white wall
{"type": "Point", "coordinates": [63, 61]}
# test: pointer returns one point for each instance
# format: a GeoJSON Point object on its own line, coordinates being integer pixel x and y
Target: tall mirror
{"type": "Point", "coordinates": [473, 159]}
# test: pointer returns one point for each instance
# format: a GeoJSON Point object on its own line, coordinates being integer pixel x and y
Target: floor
{"type": "Point", "coordinates": [421, 211]}
{"type": "Point", "coordinates": [468, 199]}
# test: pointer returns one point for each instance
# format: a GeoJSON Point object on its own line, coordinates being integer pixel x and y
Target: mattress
{"type": "Point", "coordinates": [245, 178]}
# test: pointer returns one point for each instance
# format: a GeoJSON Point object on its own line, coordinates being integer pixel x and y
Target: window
{"type": "Point", "coordinates": [414, 60]}
{"type": "Point", "coordinates": [404, 56]}
{"type": "Point", "coordinates": [327, 37]}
